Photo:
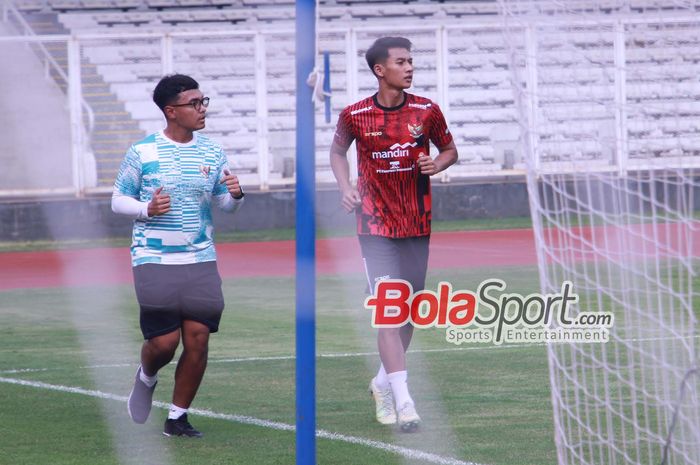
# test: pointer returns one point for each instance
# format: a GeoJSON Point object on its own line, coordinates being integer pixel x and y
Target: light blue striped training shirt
{"type": "Point", "coordinates": [190, 173]}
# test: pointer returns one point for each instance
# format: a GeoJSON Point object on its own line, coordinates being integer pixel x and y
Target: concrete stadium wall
{"type": "Point", "coordinates": [75, 219]}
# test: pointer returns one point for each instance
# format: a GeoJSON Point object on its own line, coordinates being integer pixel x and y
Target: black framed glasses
{"type": "Point", "coordinates": [197, 103]}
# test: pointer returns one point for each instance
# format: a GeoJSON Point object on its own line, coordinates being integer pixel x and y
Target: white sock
{"type": "Point", "coordinates": [147, 380]}
{"type": "Point", "coordinates": [176, 412]}
{"type": "Point", "coordinates": [399, 387]}
{"type": "Point", "coordinates": [381, 380]}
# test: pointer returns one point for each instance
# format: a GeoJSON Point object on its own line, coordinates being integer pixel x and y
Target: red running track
{"type": "Point", "coordinates": [105, 266]}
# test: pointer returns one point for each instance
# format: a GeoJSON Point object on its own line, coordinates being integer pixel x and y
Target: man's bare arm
{"type": "Point", "coordinates": [350, 198]}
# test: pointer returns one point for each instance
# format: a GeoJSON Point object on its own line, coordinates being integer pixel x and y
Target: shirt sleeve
{"type": "Point", "coordinates": [228, 204]}
{"type": "Point", "coordinates": [128, 180]}
{"type": "Point", "coordinates": [129, 206]}
{"type": "Point", "coordinates": [224, 199]}
{"type": "Point", "coordinates": [343, 130]}
{"type": "Point", "coordinates": [127, 188]}
{"type": "Point", "coordinates": [440, 134]}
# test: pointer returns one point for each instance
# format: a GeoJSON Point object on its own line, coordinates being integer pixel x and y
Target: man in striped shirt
{"type": "Point", "coordinates": [167, 183]}
{"type": "Point", "coordinates": [392, 131]}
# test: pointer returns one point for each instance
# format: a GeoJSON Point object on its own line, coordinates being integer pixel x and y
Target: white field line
{"type": "Point", "coordinates": [398, 450]}
{"type": "Point", "coordinates": [282, 357]}
{"type": "Point", "coordinates": [334, 355]}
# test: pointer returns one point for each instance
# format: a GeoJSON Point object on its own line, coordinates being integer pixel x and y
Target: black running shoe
{"type": "Point", "coordinates": [140, 399]}
{"type": "Point", "coordinates": [180, 427]}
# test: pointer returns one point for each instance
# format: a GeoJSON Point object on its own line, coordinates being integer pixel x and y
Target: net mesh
{"type": "Point", "coordinates": [606, 96]}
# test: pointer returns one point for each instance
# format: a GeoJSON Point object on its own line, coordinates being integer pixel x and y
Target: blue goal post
{"type": "Point", "coordinates": [305, 237]}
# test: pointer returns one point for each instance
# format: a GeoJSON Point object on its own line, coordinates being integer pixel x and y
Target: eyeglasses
{"type": "Point", "coordinates": [195, 103]}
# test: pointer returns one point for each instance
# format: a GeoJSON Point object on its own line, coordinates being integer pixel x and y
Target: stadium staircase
{"type": "Point", "coordinates": [114, 128]}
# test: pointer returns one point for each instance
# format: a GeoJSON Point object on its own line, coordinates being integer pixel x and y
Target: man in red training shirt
{"type": "Point", "coordinates": [392, 130]}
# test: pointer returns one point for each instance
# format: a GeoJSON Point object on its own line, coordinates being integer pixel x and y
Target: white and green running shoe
{"type": "Point", "coordinates": [384, 404]}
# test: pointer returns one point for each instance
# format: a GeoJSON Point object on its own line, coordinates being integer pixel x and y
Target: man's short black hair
{"type": "Point", "coordinates": [379, 51]}
{"type": "Point", "coordinates": [169, 88]}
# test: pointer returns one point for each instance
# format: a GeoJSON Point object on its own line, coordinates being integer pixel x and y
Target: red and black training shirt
{"type": "Point", "coordinates": [396, 200]}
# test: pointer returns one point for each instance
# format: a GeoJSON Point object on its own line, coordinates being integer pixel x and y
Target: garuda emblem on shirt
{"type": "Point", "coordinates": [416, 130]}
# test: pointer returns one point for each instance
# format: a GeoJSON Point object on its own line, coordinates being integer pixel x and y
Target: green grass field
{"type": "Point", "coordinates": [480, 403]}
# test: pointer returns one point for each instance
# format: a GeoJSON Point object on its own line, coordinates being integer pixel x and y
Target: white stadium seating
{"type": "Point", "coordinates": [575, 98]}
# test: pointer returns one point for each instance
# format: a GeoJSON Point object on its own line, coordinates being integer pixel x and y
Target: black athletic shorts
{"type": "Point", "coordinates": [387, 258]}
{"type": "Point", "coordinates": [169, 294]}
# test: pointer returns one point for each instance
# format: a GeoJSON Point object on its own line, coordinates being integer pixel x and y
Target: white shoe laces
{"type": "Point", "coordinates": [387, 401]}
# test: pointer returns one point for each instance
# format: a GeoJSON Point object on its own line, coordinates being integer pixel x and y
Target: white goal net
{"type": "Point", "coordinates": [608, 96]}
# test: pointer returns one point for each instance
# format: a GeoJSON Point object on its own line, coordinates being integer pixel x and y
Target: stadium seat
{"type": "Point", "coordinates": [484, 97]}
{"type": "Point", "coordinates": [194, 3]}
{"type": "Point", "coordinates": [267, 3]}
{"type": "Point", "coordinates": [123, 19]}
{"type": "Point", "coordinates": [175, 17]}
{"type": "Point", "coordinates": [224, 126]}
{"type": "Point", "coordinates": [243, 163]}
{"type": "Point", "coordinates": [472, 133]}
{"type": "Point", "coordinates": [273, 15]}
{"type": "Point", "coordinates": [137, 53]}
{"type": "Point", "coordinates": [207, 16]}
{"type": "Point", "coordinates": [66, 5]}
{"type": "Point", "coordinates": [28, 6]}
{"type": "Point", "coordinates": [133, 91]}
{"type": "Point", "coordinates": [226, 3]}
{"type": "Point", "coordinates": [103, 55]}
{"type": "Point", "coordinates": [125, 5]}
{"type": "Point", "coordinates": [482, 115]}
{"type": "Point", "coordinates": [160, 4]}
{"type": "Point", "coordinates": [484, 78]}
{"type": "Point", "coordinates": [143, 110]}
{"type": "Point", "coordinates": [97, 4]}
{"type": "Point", "coordinates": [332, 13]}
{"type": "Point", "coordinates": [236, 142]}
{"type": "Point", "coordinates": [482, 9]}
{"type": "Point", "coordinates": [233, 88]}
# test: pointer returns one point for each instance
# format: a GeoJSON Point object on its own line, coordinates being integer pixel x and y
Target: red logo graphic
{"type": "Point", "coordinates": [394, 303]}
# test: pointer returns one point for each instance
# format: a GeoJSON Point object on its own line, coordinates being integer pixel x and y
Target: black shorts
{"type": "Point", "coordinates": [169, 294]}
{"type": "Point", "coordinates": [387, 258]}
